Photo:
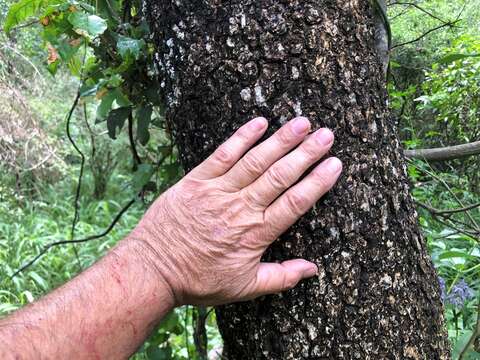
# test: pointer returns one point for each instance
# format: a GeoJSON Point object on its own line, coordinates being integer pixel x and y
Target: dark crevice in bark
{"type": "Point", "coordinates": [223, 62]}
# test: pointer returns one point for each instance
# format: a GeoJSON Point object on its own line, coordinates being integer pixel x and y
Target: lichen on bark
{"type": "Point", "coordinates": [223, 62]}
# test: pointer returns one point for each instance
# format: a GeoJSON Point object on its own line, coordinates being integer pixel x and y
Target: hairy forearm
{"type": "Point", "coordinates": [105, 312]}
{"type": "Point", "coordinates": [200, 243]}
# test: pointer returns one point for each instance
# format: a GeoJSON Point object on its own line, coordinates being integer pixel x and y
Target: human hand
{"type": "Point", "coordinates": [206, 235]}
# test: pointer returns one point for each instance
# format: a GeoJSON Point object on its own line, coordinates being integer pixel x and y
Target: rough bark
{"type": "Point", "coordinates": [223, 62]}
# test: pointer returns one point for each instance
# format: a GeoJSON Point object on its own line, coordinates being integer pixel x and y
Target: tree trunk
{"type": "Point", "coordinates": [223, 62]}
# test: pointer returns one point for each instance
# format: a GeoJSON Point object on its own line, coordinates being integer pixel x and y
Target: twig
{"type": "Point", "coordinates": [472, 220]}
{"type": "Point", "coordinates": [77, 241]}
{"type": "Point", "coordinates": [6, 46]}
{"type": "Point", "coordinates": [410, 4]}
{"type": "Point", "coordinates": [80, 176]}
{"type": "Point", "coordinates": [450, 24]}
{"type": "Point", "coordinates": [401, 13]}
{"type": "Point", "coordinates": [40, 163]}
{"type": "Point", "coordinates": [33, 22]}
{"type": "Point", "coordinates": [439, 215]}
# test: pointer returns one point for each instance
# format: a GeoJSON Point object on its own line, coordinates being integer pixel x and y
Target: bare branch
{"type": "Point", "coordinates": [447, 212]}
{"type": "Point", "coordinates": [449, 24]}
{"type": "Point", "coordinates": [411, 4]}
{"type": "Point", "coordinates": [445, 153]}
{"type": "Point", "coordinates": [18, 27]}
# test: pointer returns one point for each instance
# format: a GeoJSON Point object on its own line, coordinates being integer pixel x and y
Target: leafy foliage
{"type": "Point", "coordinates": [21, 11]}
{"type": "Point", "coordinates": [104, 44]}
{"type": "Point", "coordinates": [456, 255]}
{"type": "Point", "coordinates": [451, 92]}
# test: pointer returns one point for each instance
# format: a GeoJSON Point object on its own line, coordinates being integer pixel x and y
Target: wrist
{"type": "Point", "coordinates": [155, 262]}
{"type": "Point", "coordinates": [158, 275]}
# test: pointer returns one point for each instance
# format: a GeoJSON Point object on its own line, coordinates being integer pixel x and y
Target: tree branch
{"type": "Point", "coordinates": [411, 4]}
{"type": "Point", "coordinates": [449, 24]}
{"type": "Point", "coordinates": [445, 153]}
{"type": "Point", "coordinates": [447, 212]}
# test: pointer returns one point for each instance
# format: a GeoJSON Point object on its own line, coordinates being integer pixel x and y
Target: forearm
{"type": "Point", "coordinates": [200, 243]}
{"type": "Point", "coordinates": [105, 312]}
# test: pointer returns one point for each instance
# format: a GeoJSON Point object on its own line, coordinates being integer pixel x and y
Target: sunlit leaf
{"type": "Point", "coordinates": [20, 12]}
{"type": "Point", "coordinates": [87, 25]}
{"type": "Point", "coordinates": [129, 47]}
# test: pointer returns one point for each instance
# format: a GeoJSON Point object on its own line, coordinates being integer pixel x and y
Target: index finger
{"type": "Point", "coordinates": [227, 154]}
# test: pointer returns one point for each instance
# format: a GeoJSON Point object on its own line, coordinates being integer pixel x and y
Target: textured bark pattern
{"type": "Point", "coordinates": [377, 295]}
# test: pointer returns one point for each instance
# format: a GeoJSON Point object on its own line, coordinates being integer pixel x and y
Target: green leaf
{"type": "Point", "coordinates": [454, 57]}
{"type": "Point", "coordinates": [86, 25]}
{"type": "Point", "coordinates": [75, 66]}
{"type": "Point", "coordinates": [39, 280]}
{"type": "Point", "coordinates": [129, 47]}
{"type": "Point", "coordinates": [114, 95]}
{"type": "Point", "coordinates": [88, 90]}
{"type": "Point", "coordinates": [144, 115]}
{"type": "Point", "coordinates": [456, 254]}
{"type": "Point", "coordinates": [66, 51]}
{"type": "Point", "coordinates": [155, 353]}
{"type": "Point", "coordinates": [116, 119]}
{"type": "Point", "coordinates": [171, 323]}
{"type": "Point", "coordinates": [142, 176]}
{"type": "Point", "coordinates": [172, 172]}
{"type": "Point", "coordinates": [21, 11]}
{"type": "Point", "coordinates": [53, 67]}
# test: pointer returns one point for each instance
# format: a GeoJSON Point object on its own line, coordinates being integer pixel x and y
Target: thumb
{"type": "Point", "coordinates": [274, 278]}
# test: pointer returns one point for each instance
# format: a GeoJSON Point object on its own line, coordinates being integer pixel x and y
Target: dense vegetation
{"type": "Point", "coordinates": [77, 65]}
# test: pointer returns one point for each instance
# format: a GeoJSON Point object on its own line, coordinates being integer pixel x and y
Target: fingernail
{"type": "Point", "coordinates": [333, 164]}
{"type": "Point", "coordinates": [300, 125]}
{"type": "Point", "coordinates": [324, 136]}
{"type": "Point", "coordinates": [258, 124]}
{"type": "Point", "coordinates": [311, 271]}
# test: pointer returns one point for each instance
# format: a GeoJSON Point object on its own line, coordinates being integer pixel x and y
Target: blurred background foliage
{"type": "Point", "coordinates": [86, 69]}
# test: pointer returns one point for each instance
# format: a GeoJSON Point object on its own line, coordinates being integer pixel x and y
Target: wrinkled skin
{"type": "Point", "coordinates": [210, 230]}
{"type": "Point", "coordinates": [200, 243]}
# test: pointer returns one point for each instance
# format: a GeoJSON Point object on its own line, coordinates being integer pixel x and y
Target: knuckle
{"type": "Point", "coordinates": [278, 177]}
{"type": "Point", "coordinates": [223, 155]}
{"type": "Point", "coordinates": [283, 137]}
{"type": "Point", "coordinates": [310, 151]}
{"type": "Point", "coordinates": [295, 203]}
{"type": "Point", "coordinates": [243, 134]}
{"type": "Point", "coordinates": [251, 197]}
{"type": "Point", "coordinates": [321, 180]}
{"type": "Point", "coordinates": [253, 164]}
{"type": "Point", "coordinates": [289, 281]}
